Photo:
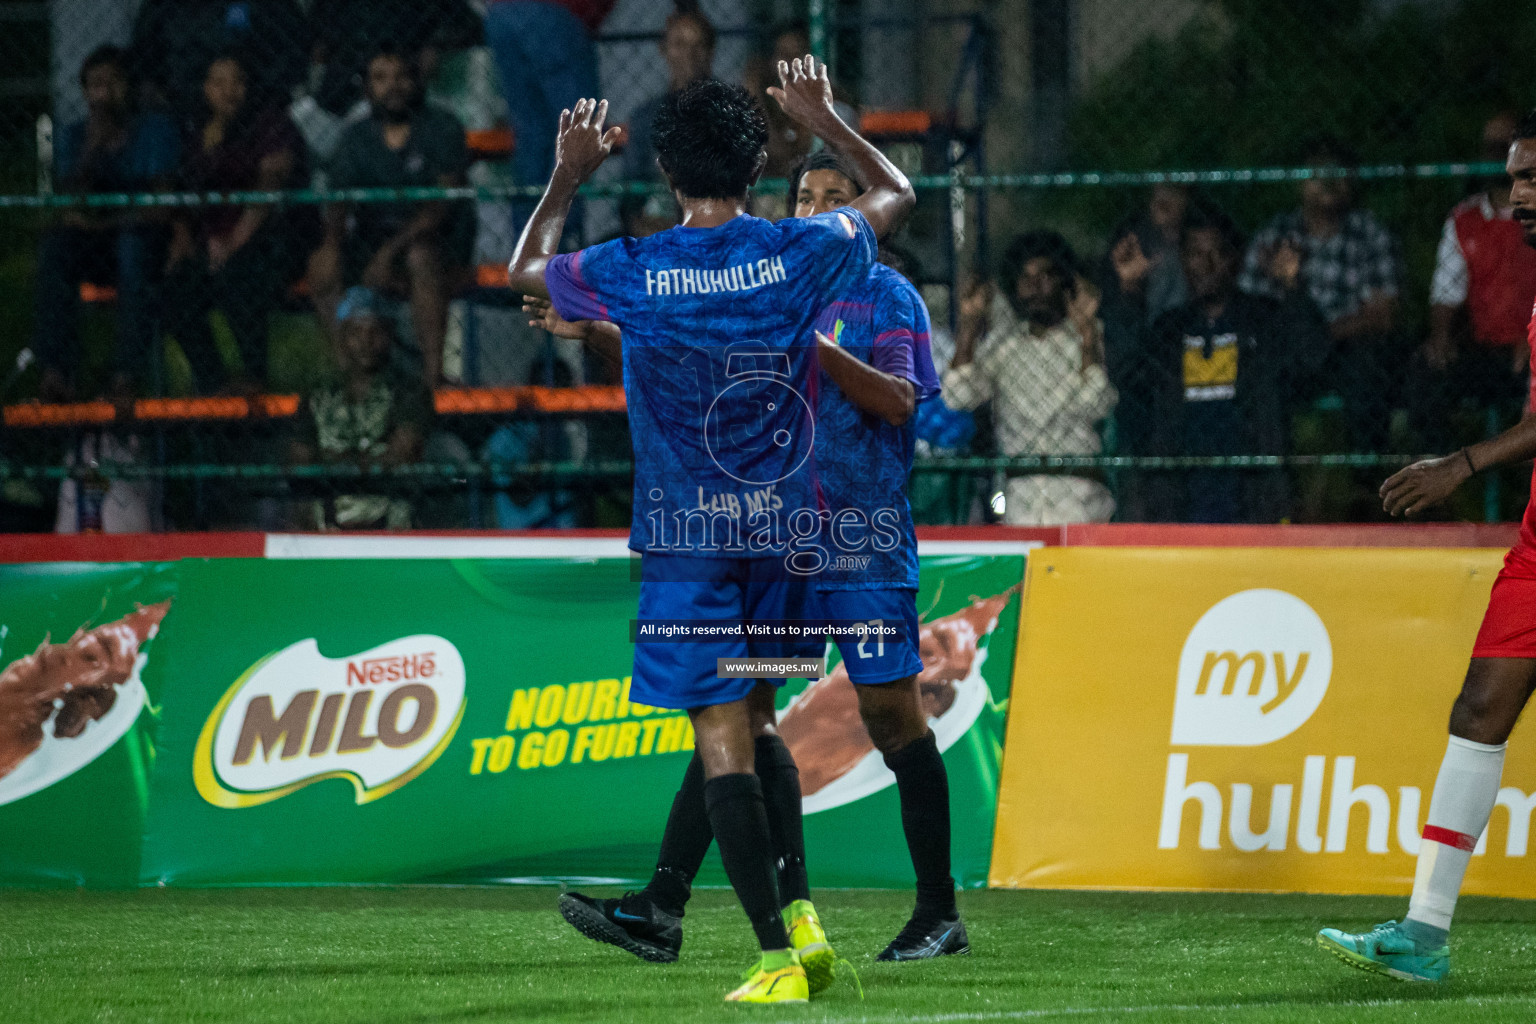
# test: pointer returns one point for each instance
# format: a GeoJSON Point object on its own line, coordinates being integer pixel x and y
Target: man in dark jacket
{"type": "Point", "coordinates": [1221, 369]}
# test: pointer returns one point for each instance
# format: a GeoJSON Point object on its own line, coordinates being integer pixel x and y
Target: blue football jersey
{"type": "Point", "coordinates": [718, 360]}
{"type": "Point", "coordinates": [862, 461]}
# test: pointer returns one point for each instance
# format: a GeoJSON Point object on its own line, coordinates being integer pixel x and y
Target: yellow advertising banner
{"type": "Point", "coordinates": [1245, 719]}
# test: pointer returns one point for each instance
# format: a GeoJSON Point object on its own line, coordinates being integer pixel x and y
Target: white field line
{"type": "Point", "coordinates": [1090, 1012]}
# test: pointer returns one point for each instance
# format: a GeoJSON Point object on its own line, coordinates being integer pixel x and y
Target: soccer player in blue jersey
{"type": "Point", "coordinates": [873, 345]}
{"type": "Point", "coordinates": [876, 364]}
{"type": "Point", "coordinates": [714, 316]}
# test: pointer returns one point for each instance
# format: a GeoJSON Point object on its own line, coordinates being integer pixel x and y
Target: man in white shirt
{"type": "Point", "coordinates": [1040, 362]}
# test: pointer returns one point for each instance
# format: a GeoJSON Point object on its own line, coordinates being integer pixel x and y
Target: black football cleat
{"type": "Point", "coordinates": [925, 940]}
{"type": "Point", "coordinates": [632, 922]}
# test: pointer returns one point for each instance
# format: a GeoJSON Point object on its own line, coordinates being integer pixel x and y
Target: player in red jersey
{"type": "Point", "coordinates": [1498, 684]}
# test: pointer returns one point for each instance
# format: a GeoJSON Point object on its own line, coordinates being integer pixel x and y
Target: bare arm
{"type": "Point", "coordinates": [870, 390]}
{"type": "Point", "coordinates": [580, 149]}
{"type": "Point", "coordinates": [606, 340]}
{"type": "Point", "coordinates": [1412, 490]}
{"type": "Point", "coordinates": [805, 93]}
{"type": "Point", "coordinates": [428, 220]}
{"type": "Point", "coordinates": [272, 174]}
{"type": "Point", "coordinates": [601, 336]}
{"type": "Point", "coordinates": [1440, 349]}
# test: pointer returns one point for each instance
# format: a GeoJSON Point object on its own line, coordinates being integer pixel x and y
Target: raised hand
{"type": "Point", "coordinates": [1083, 312]}
{"type": "Point", "coordinates": [1083, 307]}
{"type": "Point", "coordinates": [804, 92]}
{"type": "Point", "coordinates": [1410, 491]}
{"type": "Point", "coordinates": [583, 145]}
{"type": "Point", "coordinates": [976, 302]}
{"type": "Point", "coordinates": [1131, 263]}
{"type": "Point", "coordinates": [1285, 264]}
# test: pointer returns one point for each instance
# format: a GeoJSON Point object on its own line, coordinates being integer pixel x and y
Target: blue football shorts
{"type": "Point", "coordinates": [871, 659]}
{"type": "Point", "coordinates": [681, 674]}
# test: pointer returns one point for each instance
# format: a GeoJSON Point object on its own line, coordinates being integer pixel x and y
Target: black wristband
{"type": "Point", "coordinates": [1468, 456]}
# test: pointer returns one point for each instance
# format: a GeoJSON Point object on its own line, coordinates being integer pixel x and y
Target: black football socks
{"type": "Point", "coordinates": [780, 779]}
{"type": "Point", "coordinates": [740, 823]}
{"type": "Point", "coordinates": [683, 844]}
{"type": "Point", "coordinates": [688, 832]}
{"type": "Point", "coordinates": [924, 788]}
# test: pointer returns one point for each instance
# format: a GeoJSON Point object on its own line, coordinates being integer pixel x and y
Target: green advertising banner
{"type": "Point", "coordinates": [77, 718]}
{"type": "Point", "coordinates": [320, 721]}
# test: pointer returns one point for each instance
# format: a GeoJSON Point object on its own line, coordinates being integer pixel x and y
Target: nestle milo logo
{"type": "Point", "coordinates": [392, 669]}
{"type": "Point", "coordinates": [377, 719]}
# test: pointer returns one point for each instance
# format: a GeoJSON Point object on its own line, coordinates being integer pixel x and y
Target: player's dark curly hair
{"type": "Point", "coordinates": [709, 138]}
{"type": "Point", "coordinates": [1032, 245]}
{"type": "Point", "coordinates": [821, 160]}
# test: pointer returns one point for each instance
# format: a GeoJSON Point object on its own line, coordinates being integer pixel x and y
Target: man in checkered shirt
{"type": "Point", "coordinates": [1351, 268]}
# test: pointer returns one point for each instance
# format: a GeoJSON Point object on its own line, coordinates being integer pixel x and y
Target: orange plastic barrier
{"type": "Point", "coordinates": [490, 143]}
{"type": "Point", "coordinates": [215, 408]}
{"type": "Point", "coordinates": [448, 401]}
{"type": "Point", "coordinates": [462, 401]}
{"type": "Point", "coordinates": [492, 275]}
{"type": "Point", "coordinates": [895, 122]}
{"type": "Point", "coordinates": [35, 415]}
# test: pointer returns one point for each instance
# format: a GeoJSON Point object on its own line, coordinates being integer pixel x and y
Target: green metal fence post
{"type": "Point", "coordinates": [818, 29]}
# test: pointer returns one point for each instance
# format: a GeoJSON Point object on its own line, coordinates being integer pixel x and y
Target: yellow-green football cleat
{"type": "Point", "coordinates": [810, 943]}
{"type": "Point", "coordinates": [776, 978]}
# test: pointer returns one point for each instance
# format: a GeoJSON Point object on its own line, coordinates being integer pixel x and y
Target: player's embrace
{"type": "Point", "coordinates": [1498, 683]}
{"type": "Point", "coordinates": [716, 317]}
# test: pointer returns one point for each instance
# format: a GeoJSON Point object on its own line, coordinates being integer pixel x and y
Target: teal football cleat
{"type": "Point", "coordinates": [1385, 949]}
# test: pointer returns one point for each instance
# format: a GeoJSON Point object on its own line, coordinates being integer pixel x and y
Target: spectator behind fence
{"type": "Point", "coordinates": [547, 61]}
{"type": "Point", "coordinates": [375, 417]}
{"type": "Point", "coordinates": [688, 46]}
{"type": "Point", "coordinates": [174, 41]}
{"type": "Point", "coordinates": [1220, 371]}
{"type": "Point", "coordinates": [1351, 269]}
{"type": "Point", "coordinates": [115, 149]}
{"type": "Point", "coordinates": [1150, 239]}
{"type": "Point", "coordinates": [1040, 363]}
{"type": "Point", "coordinates": [1142, 278]}
{"type": "Point", "coordinates": [788, 143]}
{"type": "Point", "coordinates": [1479, 303]}
{"type": "Point", "coordinates": [237, 259]}
{"type": "Point", "coordinates": [409, 249]}
{"type": "Point", "coordinates": [349, 32]}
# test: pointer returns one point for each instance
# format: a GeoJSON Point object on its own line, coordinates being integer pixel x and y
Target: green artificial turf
{"type": "Point", "coordinates": [441, 955]}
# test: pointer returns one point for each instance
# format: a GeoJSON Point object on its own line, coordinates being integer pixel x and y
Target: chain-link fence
{"type": "Point", "coordinates": [1186, 261]}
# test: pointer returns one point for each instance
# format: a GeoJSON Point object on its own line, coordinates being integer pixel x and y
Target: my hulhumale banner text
{"type": "Point", "coordinates": [1245, 719]}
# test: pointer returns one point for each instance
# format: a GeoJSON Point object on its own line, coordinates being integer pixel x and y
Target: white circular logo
{"type": "Point", "coordinates": [759, 456]}
{"type": "Point", "coordinates": [1253, 670]}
